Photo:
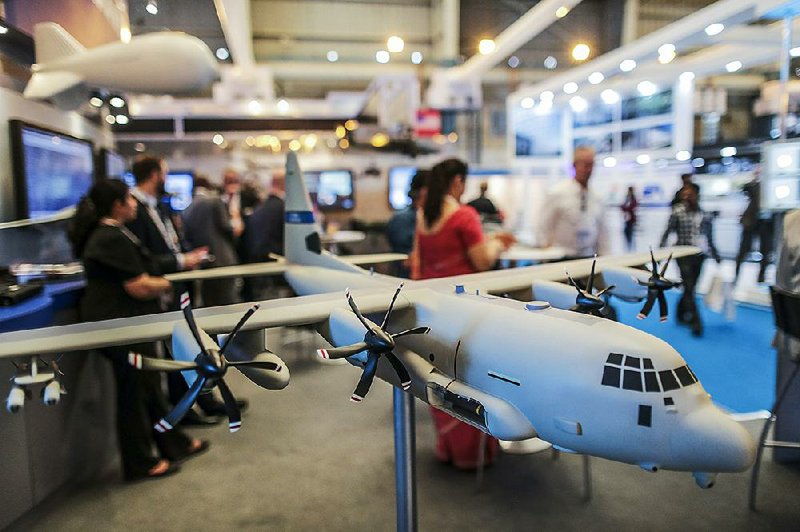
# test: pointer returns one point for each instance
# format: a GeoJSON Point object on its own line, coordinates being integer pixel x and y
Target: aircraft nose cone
{"type": "Point", "coordinates": [710, 440]}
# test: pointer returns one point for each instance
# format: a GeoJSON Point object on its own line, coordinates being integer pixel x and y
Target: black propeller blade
{"type": "Point", "coordinates": [656, 285]}
{"type": "Point", "coordinates": [586, 302]}
{"type": "Point", "coordinates": [210, 365]}
{"type": "Point", "coordinates": [376, 342]}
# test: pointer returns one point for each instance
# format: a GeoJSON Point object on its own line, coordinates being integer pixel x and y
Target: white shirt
{"type": "Point", "coordinates": [574, 218]}
{"type": "Point", "coordinates": [167, 230]}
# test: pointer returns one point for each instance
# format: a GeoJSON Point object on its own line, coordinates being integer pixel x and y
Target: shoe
{"type": "Point", "coordinates": [193, 419]}
{"type": "Point", "coordinates": [197, 448]}
{"type": "Point", "coordinates": [163, 468]}
{"type": "Point", "coordinates": [218, 409]}
{"type": "Point", "coordinates": [697, 331]}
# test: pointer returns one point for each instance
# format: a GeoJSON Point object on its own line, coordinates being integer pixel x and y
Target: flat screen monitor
{"type": "Point", "coordinates": [399, 180]}
{"type": "Point", "coordinates": [179, 187]}
{"type": "Point", "coordinates": [331, 190]}
{"type": "Point", "coordinates": [114, 165]}
{"type": "Point", "coordinates": [52, 170]}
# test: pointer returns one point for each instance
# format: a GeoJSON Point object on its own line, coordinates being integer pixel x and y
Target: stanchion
{"type": "Point", "coordinates": [405, 461]}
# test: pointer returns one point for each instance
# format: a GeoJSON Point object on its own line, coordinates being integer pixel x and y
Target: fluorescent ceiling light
{"type": "Point", "coordinates": [627, 65]}
{"type": "Point", "coordinates": [596, 77]}
{"type": "Point", "coordinates": [714, 29]}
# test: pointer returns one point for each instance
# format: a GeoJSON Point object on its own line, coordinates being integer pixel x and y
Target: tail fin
{"type": "Point", "coordinates": [54, 42]}
{"type": "Point", "coordinates": [301, 232]}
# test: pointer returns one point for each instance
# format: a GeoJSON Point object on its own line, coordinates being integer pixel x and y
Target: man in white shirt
{"type": "Point", "coordinates": [573, 217]}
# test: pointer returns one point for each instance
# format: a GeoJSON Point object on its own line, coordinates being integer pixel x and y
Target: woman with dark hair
{"type": "Point", "coordinates": [450, 241]}
{"type": "Point", "coordinates": [119, 285]}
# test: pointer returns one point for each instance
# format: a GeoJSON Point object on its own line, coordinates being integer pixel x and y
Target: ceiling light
{"type": "Point", "coordinates": [627, 65]}
{"type": "Point", "coordinates": [647, 88]}
{"type": "Point", "coordinates": [416, 58]}
{"type": "Point", "coordinates": [351, 125]}
{"type": "Point", "coordinates": [218, 139]}
{"type": "Point", "coordinates": [728, 151]}
{"type": "Point", "coordinates": [379, 140]}
{"type": "Point", "coordinates": [581, 52]}
{"type": "Point", "coordinates": [310, 141]}
{"type": "Point", "coordinates": [295, 145]}
{"type": "Point", "coordinates": [122, 120]}
{"type": "Point", "coordinates": [733, 66]}
{"type": "Point", "coordinates": [547, 96]}
{"type": "Point", "coordinates": [452, 137]}
{"type": "Point", "coordinates": [283, 106]}
{"type": "Point", "coordinates": [609, 97]}
{"type": "Point", "coordinates": [666, 53]}
{"type": "Point", "coordinates": [527, 102]}
{"type": "Point", "coordinates": [683, 155]}
{"type": "Point", "coordinates": [578, 104]}
{"type": "Point", "coordinates": [784, 161]}
{"type": "Point", "coordinates": [222, 53]}
{"type": "Point", "coordinates": [513, 61]}
{"type": "Point", "coordinates": [254, 107]}
{"type": "Point", "coordinates": [570, 87]}
{"type": "Point", "coordinates": [562, 11]}
{"type": "Point", "coordinates": [610, 162]}
{"type": "Point", "coordinates": [344, 144]}
{"type": "Point", "coordinates": [596, 77]}
{"type": "Point", "coordinates": [96, 101]}
{"type": "Point", "coordinates": [332, 56]}
{"type": "Point", "coordinates": [382, 57]}
{"type": "Point", "coordinates": [782, 191]}
{"type": "Point", "coordinates": [642, 158]}
{"type": "Point", "coordinates": [486, 46]}
{"type": "Point", "coordinates": [139, 147]}
{"type": "Point", "coordinates": [550, 62]}
{"type": "Point", "coordinates": [714, 29]}
{"type": "Point", "coordinates": [152, 7]}
{"type": "Point", "coordinates": [340, 132]}
{"type": "Point", "coordinates": [395, 44]}
{"type": "Point", "coordinates": [698, 162]}
{"type": "Point", "coordinates": [110, 119]}
{"type": "Point", "coordinates": [117, 102]}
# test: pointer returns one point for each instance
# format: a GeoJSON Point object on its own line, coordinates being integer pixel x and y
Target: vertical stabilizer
{"type": "Point", "coordinates": [53, 42]}
{"type": "Point", "coordinates": [301, 232]}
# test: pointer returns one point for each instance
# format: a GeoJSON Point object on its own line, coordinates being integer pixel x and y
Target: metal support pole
{"type": "Point", "coordinates": [405, 461]}
{"type": "Point", "coordinates": [786, 45]}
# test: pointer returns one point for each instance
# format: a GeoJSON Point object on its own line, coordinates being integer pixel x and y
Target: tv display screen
{"type": "Point", "coordinates": [115, 165]}
{"type": "Point", "coordinates": [331, 190]}
{"type": "Point", "coordinates": [179, 187]}
{"type": "Point", "coordinates": [399, 181]}
{"type": "Point", "coordinates": [52, 170]}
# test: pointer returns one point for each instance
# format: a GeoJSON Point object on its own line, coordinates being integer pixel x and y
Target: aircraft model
{"type": "Point", "coordinates": [204, 365]}
{"type": "Point", "coordinates": [516, 368]}
{"type": "Point", "coordinates": [157, 63]}
{"type": "Point", "coordinates": [36, 371]}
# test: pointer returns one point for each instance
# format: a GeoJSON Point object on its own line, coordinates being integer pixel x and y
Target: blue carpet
{"type": "Point", "coordinates": [733, 360]}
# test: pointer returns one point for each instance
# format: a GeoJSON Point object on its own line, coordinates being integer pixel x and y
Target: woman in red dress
{"type": "Point", "coordinates": [450, 241]}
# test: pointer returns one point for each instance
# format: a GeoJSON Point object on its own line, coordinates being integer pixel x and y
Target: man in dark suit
{"type": "Point", "coordinates": [263, 235]}
{"type": "Point", "coordinates": [206, 223]}
{"type": "Point", "coordinates": [154, 228]}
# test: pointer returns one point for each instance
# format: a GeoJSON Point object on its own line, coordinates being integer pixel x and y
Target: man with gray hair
{"type": "Point", "coordinates": [573, 217]}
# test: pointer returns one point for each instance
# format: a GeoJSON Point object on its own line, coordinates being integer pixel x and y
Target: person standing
{"type": "Point", "coordinates": [263, 235]}
{"type": "Point", "coordinates": [573, 216]}
{"type": "Point", "coordinates": [751, 225]}
{"type": "Point", "coordinates": [121, 282]}
{"type": "Point", "coordinates": [486, 207]}
{"type": "Point", "coordinates": [206, 224]}
{"type": "Point", "coordinates": [693, 227]}
{"type": "Point", "coordinates": [629, 207]}
{"type": "Point", "coordinates": [449, 241]}
{"type": "Point", "coordinates": [402, 226]}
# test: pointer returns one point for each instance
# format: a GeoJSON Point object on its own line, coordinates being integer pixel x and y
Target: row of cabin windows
{"type": "Point", "coordinates": [646, 380]}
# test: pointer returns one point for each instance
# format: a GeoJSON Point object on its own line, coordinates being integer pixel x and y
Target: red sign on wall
{"type": "Point", "coordinates": [429, 122]}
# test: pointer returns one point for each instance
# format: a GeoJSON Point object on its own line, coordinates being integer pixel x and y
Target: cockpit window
{"type": "Point", "coordinates": [638, 374]}
{"type": "Point", "coordinates": [668, 380]}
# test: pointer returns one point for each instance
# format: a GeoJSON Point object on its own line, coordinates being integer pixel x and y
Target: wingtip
{"type": "Point", "coordinates": [234, 426]}
{"type": "Point", "coordinates": [185, 301]}
{"type": "Point", "coordinates": [405, 385]}
{"type": "Point", "coordinates": [356, 398]}
{"type": "Point", "coordinates": [323, 353]}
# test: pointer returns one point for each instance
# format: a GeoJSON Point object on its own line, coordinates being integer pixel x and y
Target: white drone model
{"type": "Point", "coordinates": [33, 373]}
{"type": "Point", "coordinates": [515, 368]}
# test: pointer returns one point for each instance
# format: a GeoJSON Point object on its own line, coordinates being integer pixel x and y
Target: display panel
{"type": "Point", "coordinates": [399, 181]}
{"type": "Point", "coordinates": [52, 170]}
{"type": "Point", "coordinates": [179, 186]}
{"type": "Point", "coordinates": [595, 114]}
{"type": "Point", "coordinates": [641, 106]}
{"type": "Point", "coordinates": [649, 138]}
{"type": "Point", "coordinates": [537, 133]}
{"type": "Point", "coordinates": [601, 142]}
{"type": "Point", "coordinates": [331, 190]}
{"type": "Point", "coordinates": [114, 165]}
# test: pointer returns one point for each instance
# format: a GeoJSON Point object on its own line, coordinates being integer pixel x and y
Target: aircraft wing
{"type": "Point", "coordinates": [504, 281]}
{"type": "Point", "coordinates": [214, 320]}
{"type": "Point", "coordinates": [273, 268]}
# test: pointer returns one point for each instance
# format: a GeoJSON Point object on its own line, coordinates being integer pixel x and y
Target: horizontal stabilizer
{"type": "Point", "coordinates": [53, 42]}
{"type": "Point", "coordinates": [48, 84]}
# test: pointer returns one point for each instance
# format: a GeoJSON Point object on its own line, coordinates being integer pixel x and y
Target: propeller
{"type": "Point", "coordinates": [210, 365]}
{"type": "Point", "coordinates": [586, 302]}
{"type": "Point", "coordinates": [377, 342]}
{"type": "Point", "coordinates": [656, 285]}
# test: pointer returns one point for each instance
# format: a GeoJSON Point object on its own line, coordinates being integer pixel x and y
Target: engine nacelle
{"type": "Point", "coordinates": [51, 394]}
{"type": "Point", "coordinates": [16, 399]}
{"type": "Point", "coordinates": [704, 480]}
